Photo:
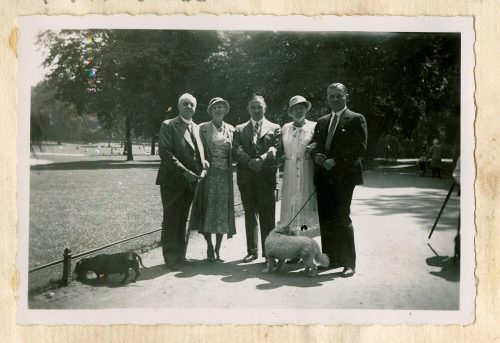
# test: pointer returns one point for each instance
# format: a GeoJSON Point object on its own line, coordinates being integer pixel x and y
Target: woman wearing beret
{"type": "Point", "coordinates": [216, 196]}
{"type": "Point", "coordinates": [298, 174]}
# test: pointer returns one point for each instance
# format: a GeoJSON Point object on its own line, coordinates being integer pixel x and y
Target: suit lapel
{"type": "Point", "coordinates": [182, 127]}
{"type": "Point", "coordinates": [248, 129]}
{"type": "Point", "coordinates": [196, 133]}
{"type": "Point", "coordinates": [344, 118]}
{"type": "Point", "coordinates": [324, 129]}
{"type": "Point", "coordinates": [266, 127]}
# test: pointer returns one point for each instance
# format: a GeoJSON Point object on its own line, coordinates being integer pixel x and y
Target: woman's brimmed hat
{"type": "Point", "coordinates": [215, 101]}
{"type": "Point", "coordinates": [298, 99]}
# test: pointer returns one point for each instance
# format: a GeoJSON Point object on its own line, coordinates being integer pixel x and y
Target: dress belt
{"type": "Point", "coordinates": [299, 159]}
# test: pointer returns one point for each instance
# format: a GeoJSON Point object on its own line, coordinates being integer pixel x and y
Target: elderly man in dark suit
{"type": "Point", "coordinates": [182, 165]}
{"type": "Point", "coordinates": [256, 147]}
{"type": "Point", "coordinates": [340, 142]}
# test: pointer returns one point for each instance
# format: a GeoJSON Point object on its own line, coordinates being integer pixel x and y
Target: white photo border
{"type": "Point", "coordinates": [29, 25]}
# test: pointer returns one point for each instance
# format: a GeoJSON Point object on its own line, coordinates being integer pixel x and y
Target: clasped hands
{"type": "Point", "coordinates": [256, 164]}
{"type": "Point", "coordinates": [322, 160]}
{"type": "Point", "coordinates": [192, 177]}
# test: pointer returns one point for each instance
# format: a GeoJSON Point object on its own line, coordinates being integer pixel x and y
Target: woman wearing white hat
{"type": "Point", "coordinates": [216, 197]}
{"type": "Point", "coordinates": [298, 175]}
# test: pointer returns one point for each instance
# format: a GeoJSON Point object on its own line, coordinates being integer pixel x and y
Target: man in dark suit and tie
{"type": "Point", "coordinates": [182, 165]}
{"type": "Point", "coordinates": [339, 143]}
{"type": "Point", "coordinates": [256, 147]}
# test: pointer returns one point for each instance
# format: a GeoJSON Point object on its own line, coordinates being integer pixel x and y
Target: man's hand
{"type": "Point", "coordinates": [191, 177]}
{"type": "Point", "coordinates": [310, 147]}
{"type": "Point", "coordinates": [240, 152]}
{"type": "Point", "coordinates": [319, 158]}
{"type": "Point", "coordinates": [206, 164]}
{"type": "Point", "coordinates": [255, 164]}
{"type": "Point", "coordinates": [271, 153]}
{"type": "Point", "coordinates": [202, 175]}
{"type": "Point", "coordinates": [329, 164]}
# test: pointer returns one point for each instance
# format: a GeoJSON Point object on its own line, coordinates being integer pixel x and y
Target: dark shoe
{"type": "Point", "coordinates": [293, 260]}
{"type": "Point", "coordinates": [218, 259]}
{"type": "Point", "coordinates": [347, 272]}
{"type": "Point", "coordinates": [250, 258]}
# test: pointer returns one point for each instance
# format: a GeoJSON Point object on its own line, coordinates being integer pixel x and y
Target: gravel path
{"type": "Point", "coordinates": [397, 266]}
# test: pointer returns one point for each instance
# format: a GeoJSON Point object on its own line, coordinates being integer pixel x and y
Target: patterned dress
{"type": "Point", "coordinates": [216, 217]}
{"type": "Point", "coordinates": [298, 177]}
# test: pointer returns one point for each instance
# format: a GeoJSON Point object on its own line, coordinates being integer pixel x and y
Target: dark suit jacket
{"type": "Point", "coordinates": [270, 136]}
{"type": "Point", "coordinates": [348, 146]}
{"type": "Point", "coordinates": [177, 153]}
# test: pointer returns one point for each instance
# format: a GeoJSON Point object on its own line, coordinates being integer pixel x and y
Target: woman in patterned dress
{"type": "Point", "coordinates": [298, 185]}
{"type": "Point", "coordinates": [216, 191]}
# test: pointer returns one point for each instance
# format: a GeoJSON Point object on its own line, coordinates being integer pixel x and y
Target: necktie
{"type": "Point", "coordinates": [331, 131]}
{"type": "Point", "coordinates": [256, 129]}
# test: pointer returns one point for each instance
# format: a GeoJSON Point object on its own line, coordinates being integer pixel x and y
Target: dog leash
{"type": "Point", "coordinates": [304, 205]}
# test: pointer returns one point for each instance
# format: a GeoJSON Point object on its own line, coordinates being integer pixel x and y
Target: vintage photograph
{"type": "Point", "coordinates": [239, 169]}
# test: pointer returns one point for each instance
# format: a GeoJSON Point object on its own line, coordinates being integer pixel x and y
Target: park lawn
{"type": "Point", "coordinates": [84, 209]}
{"type": "Point", "coordinates": [73, 205]}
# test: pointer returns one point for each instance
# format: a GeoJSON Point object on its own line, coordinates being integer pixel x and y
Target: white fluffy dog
{"type": "Point", "coordinates": [285, 243]}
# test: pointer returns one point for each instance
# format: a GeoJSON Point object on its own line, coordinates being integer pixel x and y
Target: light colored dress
{"type": "Point", "coordinates": [298, 176]}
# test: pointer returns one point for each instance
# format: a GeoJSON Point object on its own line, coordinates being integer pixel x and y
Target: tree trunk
{"type": "Point", "coordinates": [153, 143]}
{"type": "Point", "coordinates": [128, 140]}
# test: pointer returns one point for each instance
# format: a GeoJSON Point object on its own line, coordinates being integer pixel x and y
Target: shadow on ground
{"type": "Point", "coordinates": [236, 271]}
{"type": "Point", "coordinates": [450, 271]}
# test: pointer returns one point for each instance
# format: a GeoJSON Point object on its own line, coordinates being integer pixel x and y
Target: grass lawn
{"type": "Point", "coordinates": [84, 202]}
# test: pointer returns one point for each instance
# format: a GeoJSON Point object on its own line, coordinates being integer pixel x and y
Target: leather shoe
{"type": "Point", "coordinates": [250, 258]}
{"type": "Point", "coordinates": [347, 272]}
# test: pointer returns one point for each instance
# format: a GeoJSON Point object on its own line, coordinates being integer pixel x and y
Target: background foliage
{"type": "Point", "coordinates": [121, 84]}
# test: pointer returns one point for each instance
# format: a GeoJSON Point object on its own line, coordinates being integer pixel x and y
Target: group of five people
{"type": "Point", "coordinates": [322, 167]}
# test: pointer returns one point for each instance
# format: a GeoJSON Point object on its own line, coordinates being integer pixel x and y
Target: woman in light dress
{"type": "Point", "coordinates": [216, 196]}
{"type": "Point", "coordinates": [298, 186]}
